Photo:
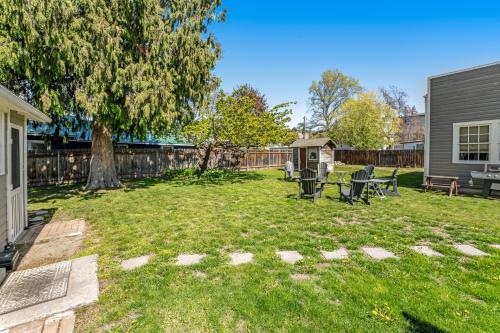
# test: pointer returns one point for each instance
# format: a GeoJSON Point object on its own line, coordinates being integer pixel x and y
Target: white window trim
{"type": "Point", "coordinates": [494, 152]}
{"type": "Point", "coordinates": [309, 149]}
{"type": "Point", "coordinates": [3, 143]}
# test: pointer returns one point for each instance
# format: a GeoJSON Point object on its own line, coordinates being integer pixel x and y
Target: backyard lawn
{"type": "Point", "coordinates": [257, 212]}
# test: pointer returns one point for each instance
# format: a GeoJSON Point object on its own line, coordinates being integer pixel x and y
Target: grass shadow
{"type": "Point", "coordinates": [420, 326]}
{"type": "Point", "coordinates": [412, 179]}
{"type": "Point", "coordinates": [57, 192]}
{"type": "Point", "coordinates": [219, 177]}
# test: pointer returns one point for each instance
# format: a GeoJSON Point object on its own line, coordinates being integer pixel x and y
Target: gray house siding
{"type": "Point", "coordinates": [472, 95]}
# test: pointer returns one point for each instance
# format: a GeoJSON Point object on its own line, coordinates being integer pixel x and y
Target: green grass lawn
{"type": "Point", "coordinates": [257, 212]}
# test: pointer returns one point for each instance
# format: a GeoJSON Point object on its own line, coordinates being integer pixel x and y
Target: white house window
{"type": "Point", "coordinates": [313, 153]}
{"type": "Point", "coordinates": [476, 142]}
{"type": "Point", "coordinates": [2, 143]}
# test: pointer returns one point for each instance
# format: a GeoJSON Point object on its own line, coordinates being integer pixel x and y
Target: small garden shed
{"type": "Point", "coordinates": [308, 153]}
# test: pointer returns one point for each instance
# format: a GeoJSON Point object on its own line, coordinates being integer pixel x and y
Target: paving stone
{"type": "Point", "coordinates": [496, 246]}
{"type": "Point", "coordinates": [337, 254]}
{"type": "Point", "coordinates": [200, 274]}
{"type": "Point", "coordinates": [189, 259]}
{"type": "Point", "coordinates": [290, 257]}
{"type": "Point", "coordinates": [238, 258]}
{"type": "Point", "coordinates": [378, 253]}
{"type": "Point", "coordinates": [425, 250]}
{"type": "Point", "coordinates": [301, 277]}
{"type": "Point", "coordinates": [40, 212]}
{"type": "Point", "coordinates": [134, 263]}
{"type": "Point", "coordinates": [470, 250]}
{"type": "Point", "coordinates": [67, 324]}
{"type": "Point", "coordinates": [36, 219]}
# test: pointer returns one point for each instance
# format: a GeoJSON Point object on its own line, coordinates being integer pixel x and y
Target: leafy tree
{"type": "Point", "coordinates": [410, 128]}
{"type": "Point", "coordinates": [327, 97]}
{"type": "Point", "coordinates": [366, 123]}
{"type": "Point", "coordinates": [127, 66]}
{"type": "Point", "coordinates": [253, 93]}
{"type": "Point", "coordinates": [231, 122]}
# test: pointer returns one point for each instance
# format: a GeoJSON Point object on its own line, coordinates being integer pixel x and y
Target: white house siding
{"type": "Point", "coordinates": [3, 192]}
{"type": "Point", "coordinates": [467, 96]}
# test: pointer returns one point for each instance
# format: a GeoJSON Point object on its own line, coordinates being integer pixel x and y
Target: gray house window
{"type": "Point", "coordinates": [474, 143]}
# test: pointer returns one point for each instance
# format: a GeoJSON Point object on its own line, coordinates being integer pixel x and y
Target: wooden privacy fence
{"type": "Point", "coordinates": [383, 158]}
{"type": "Point", "coordinates": [72, 166]}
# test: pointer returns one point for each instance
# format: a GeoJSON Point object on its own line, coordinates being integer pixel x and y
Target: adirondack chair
{"type": "Point", "coordinates": [355, 188]}
{"type": "Point", "coordinates": [289, 169]}
{"type": "Point", "coordinates": [323, 171]}
{"type": "Point", "coordinates": [309, 185]}
{"type": "Point", "coordinates": [370, 168]}
{"type": "Point", "coordinates": [392, 180]}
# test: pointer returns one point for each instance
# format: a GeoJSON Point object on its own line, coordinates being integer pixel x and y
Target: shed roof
{"type": "Point", "coordinates": [317, 142]}
{"type": "Point", "coordinates": [9, 99]}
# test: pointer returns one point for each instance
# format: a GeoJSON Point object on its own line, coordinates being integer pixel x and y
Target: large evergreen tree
{"type": "Point", "coordinates": [127, 65]}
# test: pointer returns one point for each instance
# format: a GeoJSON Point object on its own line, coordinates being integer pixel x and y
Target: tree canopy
{"type": "Point", "coordinates": [128, 66]}
{"type": "Point", "coordinates": [327, 97]}
{"type": "Point", "coordinates": [238, 121]}
{"type": "Point", "coordinates": [366, 123]}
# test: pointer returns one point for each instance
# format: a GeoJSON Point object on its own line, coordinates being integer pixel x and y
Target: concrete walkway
{"type": "Point", "coordinates": [83, 289]}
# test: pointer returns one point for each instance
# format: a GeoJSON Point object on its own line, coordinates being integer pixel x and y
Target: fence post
{"type": "Point", "coordinates": [246, 158]}
{"type": "Point", "coordinates": [269, 159]}
{"type": "Point", "coordinates": [58, 168]}
{"type": "Point", "coordinates": [157, 163]}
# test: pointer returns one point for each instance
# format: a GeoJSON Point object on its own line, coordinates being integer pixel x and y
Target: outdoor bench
{"type": "Point", "coordinates": [449, 183]}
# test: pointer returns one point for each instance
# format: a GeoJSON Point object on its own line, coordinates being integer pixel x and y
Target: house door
{"type": "Point", "coordinates": [16, 193]}
{"type": "Point", "coordinates": [303, 158]}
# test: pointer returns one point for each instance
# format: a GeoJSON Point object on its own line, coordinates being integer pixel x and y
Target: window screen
{"type": "Point", "coordinates": [15, 169]}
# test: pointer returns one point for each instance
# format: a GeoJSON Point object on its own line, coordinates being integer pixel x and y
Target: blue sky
{"type": "Point", "coordinates": [280, 47]}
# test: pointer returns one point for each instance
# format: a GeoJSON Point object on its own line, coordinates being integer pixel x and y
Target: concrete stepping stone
{"type": "Point", "coordinates": [300, 277]}
{"type": "Point", "coordinates": [290, 257]}
{"type": "Point", "coordinates": [337, 254]}
{"type": "Point", "coordinates": [496, 246]}
{"type": "Point", "coordinates": [189, 259]}
{"type": "Point", "coordinates": [134, 263]}
{"type": "Point", "coordinates": [40, 212]}
{"type": "Point", "coordinates": [378, 253]}
{"type": "Point", "coordinates": [470, 250]}
{"type": "Point", "coordinates": [425, 250]}
{"type": "Point", "coordinates": [238, 258]}
{"type": "Point", "coordinates": [36, 219]}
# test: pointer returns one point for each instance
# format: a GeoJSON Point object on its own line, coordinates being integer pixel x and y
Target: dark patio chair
{"type": "Point", "coordinates": [392, 180]}
{"type": "Point", "coordinates": [289, 169]}
{"type": "Point", "coordinates": [323, 171]}
{"type": "Point", "coordinates": [309, 184]}
{"type": "Point", "coordinates": [354, 189]}
{"type": "Point", "coordinates": [370, 168]}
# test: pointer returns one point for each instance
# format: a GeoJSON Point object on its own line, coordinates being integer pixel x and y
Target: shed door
{"type": "Point", "coordinates": [303, 158]}
{"type": "Point", "coordinates": [16, 172]}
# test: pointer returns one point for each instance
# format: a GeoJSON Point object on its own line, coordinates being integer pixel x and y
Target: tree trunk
{"type": "Point", "coordinates": [203, 166]}
{"type": "Point", "coordinates": [102, 163]}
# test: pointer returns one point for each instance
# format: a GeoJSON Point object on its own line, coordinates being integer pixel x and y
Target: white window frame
{"type": "Point", "coordinates": [309, 149]}
{"type": "Point", "coordinates": [494, 141]}
{"type": "Point", "coordinates": [3, 143]}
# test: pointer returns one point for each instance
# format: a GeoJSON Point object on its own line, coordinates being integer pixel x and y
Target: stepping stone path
{"type": "Point", "coordinates": [189, 259]}
{"type": "Point", "coordinates": [496, 246]}
{"type": "Point", "coordinates": [425, 250]}
{"type": "Point", "coordinates": [290, 257]}
{"type": "Point", "coordinates": [241, 258]}
{"type": "Point", "coordinates": [337, 254]}
{"type": "Point", "coordinates": [134, 263]}
{"type": "Point", "coordinates": [378, 253]}
{"type": "Point", "coordinates": [470, 250]}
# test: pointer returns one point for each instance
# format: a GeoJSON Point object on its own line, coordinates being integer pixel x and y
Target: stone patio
{"type": "Point", "coordinates": [58, 323]}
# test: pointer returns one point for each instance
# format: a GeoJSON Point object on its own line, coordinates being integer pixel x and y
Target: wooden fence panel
{"type": "Point", "coordinates": [383, 158]}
